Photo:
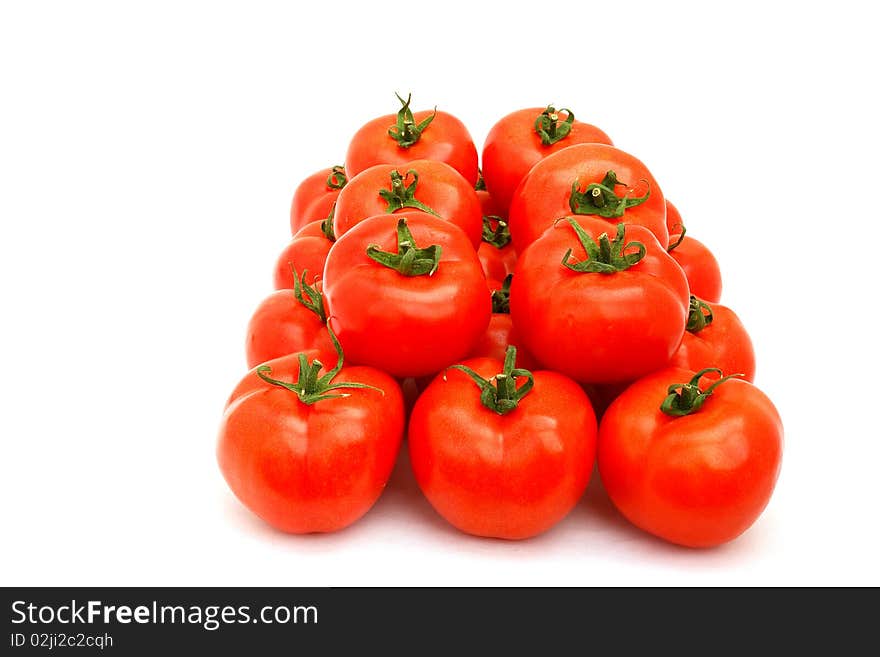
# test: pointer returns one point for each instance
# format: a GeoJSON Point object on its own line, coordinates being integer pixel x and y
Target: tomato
{"type": "Point", "coordinates": [288, 321]}
{"type": "Point", "coordinates": [522, 139]}
{"type": "Point", "coordinates": [407, 136]}
{"type": "Point", "coordinates": [596, 309]}
{"type": "Point", "coordinates": [594, 180]}
{"type": "Point", "coordinates": [508, 457]}
{"type": "Point", "coordinates": [309, 452]}
{"type": "Point", "coordinates": [700, 266]}
{"type": "Point", "coordinates": [431, 187]}
{"type": "Point", "coordinates": [406, 293]}
{"type": "Point", "coordinates": [501, 334]}
{"type": "Point", "coordinates": [315, 196]}
{"type": "Point", "coordinates": [496, 253]}
{"type": "Point", "coordinates": [306, 253]}
{"type": "Point", "coordinates": [715, 337]}
{"type": "Point", "coordinates": [603, 394]}
{"type": "Point", "coordinates": [699, 478]}
{"type": "Point", "coordinates": [491, 207]}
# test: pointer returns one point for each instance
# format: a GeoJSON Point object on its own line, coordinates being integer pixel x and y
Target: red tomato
{"type": "Point", "coordinates": [431, 187]}
{"type": "Point", "coordinates": [288, 321]}
{"type": "Point", "coordinates": [406, 293]}
{"type": "Point", "coordinates": [715, 338]}
{"type": "Point", "coordinates": [587, 179]}
{"type": "Point", "coordinates": [502, 459]}
{"type": "Point", "coordinates": [522, 139]}
{"type": "Point", "coordinates": [308, 453]}
{"type": "Point", "coordinates": [699, 265]}
{"type": "Point", "coordinates": [315, 196]}
{"type": "Point", "coordinates": [496, 253]}
{"type": "Point", "coordinates": [306, 253]}
{"type": "Point", "coordinates": [408, 136]}
{"type": "Point", "coordinates": [698, 479]}
{"type": "Point", "coordinates": [603, 394]}
{"type": "Point", "coordinates": [596, 309]}
{"type": "Point", "coordinates": [501, 334]}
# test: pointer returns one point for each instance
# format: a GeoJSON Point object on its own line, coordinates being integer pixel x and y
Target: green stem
{"type": "Point", "coordinates": [400, 195]}
{"type": "Point", "coordinates": [481, 184]}
{"type": "Point", "coordinates": [699, 315]}
{"type": "Point", "coordinates": [503, 395]}
{"type": "Point", "coordinates": [311, 388]}
{"type": "Point", "coordinates": [308, 295]}
{"type": "Point", "coordinates": [406, 132]}
{"type": "Point", "coordinates": [327, 224]}
{"type": "Point", "coordinates": [601, 199]}
{"type": "Point", "coordinates": [606, 256]}
{"type": "Point", "coordinates": [337, 178]}
{"type": "Point", "coordinates": [499, 236]}
{"type": "Point", "coordinates": [686, 398]}
{"type": "Point", "coordinates": [409, 260]}
{"type": "Point", "coordinates": [680, 239]}
{"type": "Point", "coordinates": [548, 127]}
{"type": "Point", "coordinates": [501, 297]}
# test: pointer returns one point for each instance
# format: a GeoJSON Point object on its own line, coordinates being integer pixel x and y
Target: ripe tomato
{"type": "Point", "coordinates": [500, 335]}
{"type": "Point", "coordinates": [596, 309]}
{"type": "Point", "coordinates": [408, 136]}
{"type": "Point", "coordinates": [508, 457]}
{"type": "Point", "coordinates": [496, 253]}
{"type": "Point", "coordinates": [308, 452]}
{"type": "Point", "coordinates": [700, 266]}
{"type": "Point", "coordinates": [431, 187]}
{"type": "Point", "coordinates": [288, 321]}
{"type": "Point", "coordinates": [700, 478]}
{"type": "Point", "coordinates": [587, 179]}
{"type": "Point", "coordinates": [306, 253]}
{"type": "Point", "coordinates": [715, 337]}
{"type": "Point", "coordinates": [406, 293]}
{"type": "Point", "coordinates": [315, 196]}
{"type": "Point", "coordinates": [522, 139]}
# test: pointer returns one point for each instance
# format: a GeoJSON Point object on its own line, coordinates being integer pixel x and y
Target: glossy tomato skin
{"type": "Point", "coordinates": [507, 476]}
{"type": "Point", "coordinates": [513, 147]}
{"type": "Point", "coordinates": [598, 328]}
{"type": "Point", "coordinates": [311, 468]}
{"type": "Point", "coordinates": [440, 187]}
{"type": "Point", "coordinates": [446, 139]}
{"type": "Point", "coordinates": [406, 325]}
{"type": "Point", "coordinates": [496, 263]}
{"type": "Point", "coordinates": [312, 200]}
{"type": "Point", "coordinates": [498, 336]}
{"type": "Point", "coordinates": [542, 196]}
{"type": "Point", "coordinates": [700, 267]}
{"type": "Point", "coordinates": [281, 325]}
{"type": "Point", "coordinates": [307, 252]}
{"type": "Point", "coordinates": [489, 205]}
{"type": "Point", "coordinates": [699, 480]}
{"type": "Point", "coordinates": [724, 344]}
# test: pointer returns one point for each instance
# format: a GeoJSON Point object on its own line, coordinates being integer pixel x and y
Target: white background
{"type": "Point", "coordinates": [148, 152]}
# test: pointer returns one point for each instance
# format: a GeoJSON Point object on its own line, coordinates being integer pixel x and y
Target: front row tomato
{"type": "Point", "coordinates": [508, 457]}
{"type": "Point", "coordinates": [695, 466]}
{"type": "Point", "coordinates": [310, 452]}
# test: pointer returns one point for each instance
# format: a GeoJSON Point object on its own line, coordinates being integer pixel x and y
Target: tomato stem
{"type": "Point", "coordinates": [548, 127]}
{"type": "Point", "coordinates": [311, 388]}
{"type": "Point", "coordinates": [501, 297]}
{"type": "Point", "coordinates": [480, 186]}
{"type": "Point", "coordinates": [503, 395]}
{"type": "Point", "coordinates": [337, 178]}
{"type": "Point", "coordinates": [400, 195]}
{"type": "Point", "coordinates": [302, 290]}
{"type": "Point", "coordinates": [680, 239]}
{"type": "Point", "coordinates": [409, 260]}
{"type": "Point", "coordinates": [699, 315]}
{"type": "Point", "coordinates": [606, 256]}
{"type": "Point", "coordinates": [327, 224]}
{"type": "Point", "coordinates": [686, 398]}
{"type": "Point", "coordinates": [601, 199]}
{"type": "Point", "coordinates": [499, 236]}
{"type": "Point", "coordinates": [405, 132]}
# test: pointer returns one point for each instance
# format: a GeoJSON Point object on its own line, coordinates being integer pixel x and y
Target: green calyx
{"type": "Point", "coordinates": [601, 199]}
{"type": "Point", "coordinates": [503, 395]}
{"type": "Point", "coordinates": [497, 235]}
{"type": "Point", "coordinates": [310, 387]}
{"type": "Point", "coordinates": [699, 315]}
{"type": "Point", "coordinates": [501, 297]}
{"type": "Point", "coordinates": [327, 224]}
{"type": "Point", "coordinates": [605, 256]}
{"type": "Point", "coordinates": [409, 260]}
{"type": "Point", "coordinates": [481, 184]}
{"type": "Point", "coordinates": [405, 132]}
{"type": "Point", "coordinates": [687, 398]}
{"type": "Point", "coordinates": [548, 127]}
{"type": "Point", "coordinates": [337, 178]}
{"type": "Point", "coordinates": [402, 195]}
{"type": "Point", "coordinates": [680, 239]}
{"type": "Point", "coordinates": [308, 295]}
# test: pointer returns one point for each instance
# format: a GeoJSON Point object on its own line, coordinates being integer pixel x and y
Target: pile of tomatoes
{"type": "Point", "coordinates": [518, 324]}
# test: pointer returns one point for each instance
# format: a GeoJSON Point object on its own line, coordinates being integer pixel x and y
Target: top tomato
{"type": "Point", "coordinates": [587, 179]}
{"type": "Point", "coordinates": [408, 136]}
{"type": "Point", "coordinates": [315, 196]}
{"type": "Point", "coordinates": [522, 139]}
